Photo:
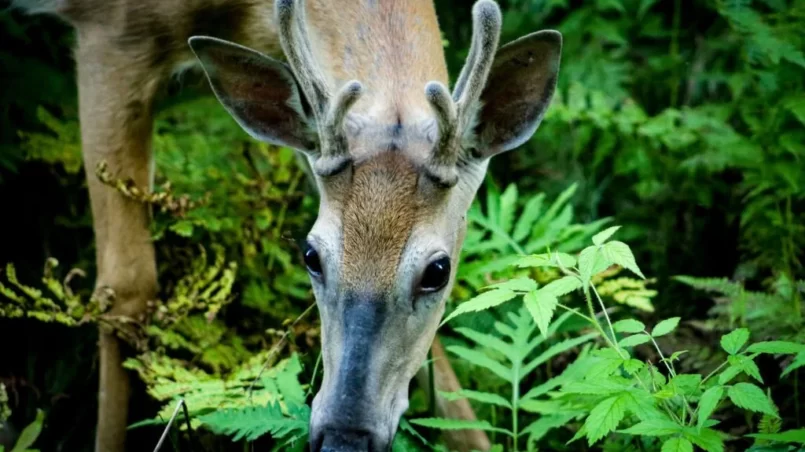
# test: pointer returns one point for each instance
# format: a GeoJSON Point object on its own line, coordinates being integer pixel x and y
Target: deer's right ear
{"type": "Point", "coordinates": [259, 92]}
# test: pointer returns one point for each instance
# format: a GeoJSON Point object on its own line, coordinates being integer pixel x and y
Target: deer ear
{"type": "Point", "coordinates": [518, 91]}
{"type": "Point", "coordinates": [259, 92]}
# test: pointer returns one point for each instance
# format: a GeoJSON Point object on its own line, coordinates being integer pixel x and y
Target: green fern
{"type": "Point", "coordinates": [509, 355]}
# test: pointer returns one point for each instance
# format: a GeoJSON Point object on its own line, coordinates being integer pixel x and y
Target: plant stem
{"type": "Point", "coordinates": [712, 373]}
{"type": "Point", "coordinates": [515, 400]}
{"type": "Point", "coordinates": [575, 311]}
{"type": "Point", "coordinates": [606, 316]}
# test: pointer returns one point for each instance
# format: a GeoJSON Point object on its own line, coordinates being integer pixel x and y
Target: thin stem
{"type": "Point", "coordinates": [712, 373]}
{"type": "Point", "coordinates": [575, 311]}
{"type": "Point", "coordinates": [604, 309]}
{"type": "Point", "coordinates": [313, 378]}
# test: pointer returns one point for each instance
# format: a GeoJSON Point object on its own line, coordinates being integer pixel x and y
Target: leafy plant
{"type": "Point", "coordinates": [509, 356]}
{"type": "Point", "coordinates": [673, 410]}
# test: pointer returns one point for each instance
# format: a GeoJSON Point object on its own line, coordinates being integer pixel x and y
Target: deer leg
{"type": "Point", "coordinates": [445, 380]}
{"type": "Point", "coordinates": [116, 89]}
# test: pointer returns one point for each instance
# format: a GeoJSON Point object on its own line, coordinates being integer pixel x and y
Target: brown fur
{"type": "Point", "coordinates": [380, 211]}
{"type": "Point", "coordinates": [127, 49]}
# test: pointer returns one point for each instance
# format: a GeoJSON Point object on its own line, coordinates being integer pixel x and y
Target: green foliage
{"type": "Point", "coordinates": [768, 313]}
{"type": "Point", "coordinates": [29, 435]}
{"type": "Point", "coordinates": [511, 355]}
{"type": "Point", "coordinates": [617, 396]}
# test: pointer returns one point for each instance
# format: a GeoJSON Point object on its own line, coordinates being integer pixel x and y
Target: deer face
{"type": "Point", "coordinates": [382, 254]}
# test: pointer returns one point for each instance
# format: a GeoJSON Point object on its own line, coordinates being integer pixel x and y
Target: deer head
{"type": "Point", "coordinates": [397, 170]}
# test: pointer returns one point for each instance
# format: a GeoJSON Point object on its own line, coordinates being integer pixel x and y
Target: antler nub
{"type": "Point", "coordinates": [455, 114]}
{"type": "Point", "coordinates": [329, 112]}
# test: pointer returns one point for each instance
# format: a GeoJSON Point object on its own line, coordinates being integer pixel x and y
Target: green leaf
{"type": "Point", "coordinates": [728, 374]}
{"type": "Point", "coordinates": [665, 327]}
{"type": "Point", "coordinates": [482, 360]}
{"type": "Point", "coordinates": [750, 397]}
{"type": "Point", "coordinates": [732, 342]}
{"type": "Point", "coordinates": [788, 436]}
{"type": "Point", "coordinates": [799, 361]}
{"type": "Point", "coordinates": [677, 445]}
{"type": "Point", "coordinates": [587, 259]}
{"type": "Point", "coordinates": [516, 284]}
{"type": "Point", "coordinates": [746, 365]}
{"type": "Point", "coordinates": [604, 235]}
{"type": "Point", "coordinates": [706, 438]}
{"type": "Point", "coordinates": [554, 350]}
{"type": "Point", "coordinates": [605, 417]}
{"type": "Point", "coordinates": [776, 347]}
{"type": "Point", "coordinates": [653, 427]}
{"type": "Point", "coordinates": [708, 404]}
{"type": "Point", "coordinates": [628, 326]}
{"type": "Point", "coordinates": [30, 433]}
{"type": "Point", "coordinates": [478, 396]}
{"type": "Point", "coordinates": [530, 214]}
{"type": "Point", "coordinates": [491, 342]}
{"type": "Point", "coordinates": [483, 301]}
{"type": "Point", "coordinates": [620, 253]}
{"type": "Point", "coordinates": [456, 424]}
{"type": "Point", "coordinates": [685, 384]}
{"type": "Point", "coordinates": [541, 306]}
{"type": "Point", "coordinates": [634, 340]}
{"type": "Point", "coordinates": [561, 286]}
{"type": "Point", "coordinates": [546, 260]}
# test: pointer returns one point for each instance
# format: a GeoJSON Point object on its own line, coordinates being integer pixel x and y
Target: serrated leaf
{"type": "Point", "coordinates": [732, 342]}
{"type": "Point", "coordinates": [605, 417]}
{"type": "Point", "coordinates": [634, 340]}
{"type": "Point", "coordinates": [708, 404]}
{"type": "Point", "coordinates": [653, 427]}
{"type": "Point", "coordinates": [706, 438]}
{"type": "Point", "coordinates": [478, 396]}
{"type": "Point", "coordinates": [677, 445]}
{"type": "Point", "coordinates": [685, 384]}
{"type": "Point", "coordinates": [776, 347]}
{"type": "Point", "coordinates": [750, 397]}
{"type": "Point", "coordinates": [788, 436]}
{"type": "Point", "coordinates": [728, 374]}
{"type": "Point", "coordinates": [604, 235]}
{"type": "Point", "coordinates": [620, 253]}
{"type": "Point", "coordinates": [541, 306]}
{"type": "Point", "coordinates": [665, 327]}
{"type": "Point", "coordinates": [632, 366]}
{"type": "Point", "coordinates": [746, 365]}
{"type": "Point", "coordinates": [628, 326]}
{"type": "Point", "coordinates": [587, 261]}
{"type": "Point", "coordinates": [517, 284]}
{"type": "Point", "coordinates": [561, 286]}
{"type": "Point", "coordinates": [483, 301]}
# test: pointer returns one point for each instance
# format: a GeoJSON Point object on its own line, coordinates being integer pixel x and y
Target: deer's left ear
{"type": "Point", "coordinates": [518, 91]}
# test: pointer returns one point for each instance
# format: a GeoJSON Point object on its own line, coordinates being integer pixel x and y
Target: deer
{"type": "Point", "coordinates": [360, 89]}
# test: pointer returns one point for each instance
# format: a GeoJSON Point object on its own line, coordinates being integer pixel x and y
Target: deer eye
{"type": "Point", "coordinates": [436, 275]}
{"type": "Point", "coordinates": [312, 260]}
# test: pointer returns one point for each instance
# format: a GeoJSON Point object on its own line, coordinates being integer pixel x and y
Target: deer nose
{"type": "Point", "coordinates": [346, 441]}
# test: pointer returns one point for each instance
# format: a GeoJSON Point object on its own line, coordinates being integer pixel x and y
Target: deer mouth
{"type": "Point", "coordinates": [346, 441]}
